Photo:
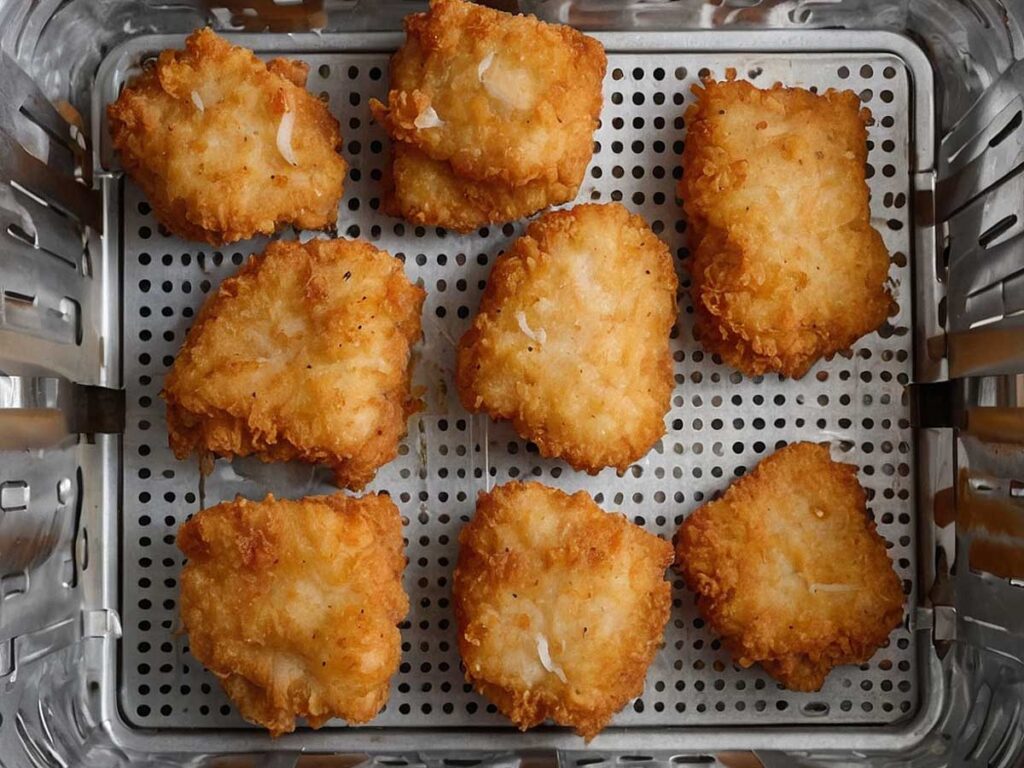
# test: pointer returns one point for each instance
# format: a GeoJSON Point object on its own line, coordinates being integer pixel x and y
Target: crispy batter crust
{"type": "Point", "coordinates": [572, 339]}
{"type": "Point", "coordinates": [304, 354]}
{"type": "Point", "coordinates": [540, 570]}
{"type": "Point", "coordinates": [789, 568]}
{"type": "Point", "coordinates": [427, 191]}
{"type": "Point", "coordinates": [521, 117]}
{"type": "Point", "coordinates": [501, 130]}
{"type": "Point", "coordinates": [293, 605]}
{"type": "Point", "coordinates": [198, 132]}
{"type": "Point", "coordinates": [785, 265]}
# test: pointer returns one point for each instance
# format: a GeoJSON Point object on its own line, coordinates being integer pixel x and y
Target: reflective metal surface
{"type": "Point", "coordinates": [720, 424]}
{"type": "Point", "coordinates": [62, 592]}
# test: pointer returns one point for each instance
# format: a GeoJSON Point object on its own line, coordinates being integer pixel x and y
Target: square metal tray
{"type": "Point", "coordinates": [720, 424]}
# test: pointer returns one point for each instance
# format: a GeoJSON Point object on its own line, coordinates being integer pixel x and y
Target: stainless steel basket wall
{"type": "Point", "coordinates": [95, 299]}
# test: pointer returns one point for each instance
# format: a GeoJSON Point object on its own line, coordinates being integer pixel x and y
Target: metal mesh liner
{"type": "Point", "coordinates": [719, 426]}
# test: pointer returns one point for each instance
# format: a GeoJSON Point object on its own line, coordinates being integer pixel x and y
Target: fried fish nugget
{"type": "Point", "coordinates": [503, 131]}
{"type": "Point", "coordinates": [293, 605]}
{"type": "Point", "coordinates": [786, 267]}
{"type": "Point", "coordinates": [572, 339]}
{"type": "Point", "coordinates": [427, 191]}
{"type": "Point", "coordinates": [304, 354]}
{"type": "Point", "coordinates": [561, 607]}
{"type": "Point", "coordinates": [227, 147]}
{"type": "Point", "coordinates": [789, 568]}
{"type": "Point", "coordinates": [469, 87]}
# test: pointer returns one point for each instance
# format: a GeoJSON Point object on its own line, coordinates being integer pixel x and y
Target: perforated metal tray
{"type": "Point", "coordinates": [719, 426]}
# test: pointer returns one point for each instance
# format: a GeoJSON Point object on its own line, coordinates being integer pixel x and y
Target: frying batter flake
{"type": "Point", "coordinates": [226, 147]}
{"type": "Point", "coordinates": [789, 569]}
{"type": "Point", "coordinates": [304, 354]}
{"type": "Point", "coordinates": [509, 131]}
{"type": "Point", "coordinates": [293, 605]}
{"type": "Point", "coordinates": [561, 607]}
{"type": "Point", "coordinates": [786, 267]}
{"type": "Point", "coordinates": [571, 343]}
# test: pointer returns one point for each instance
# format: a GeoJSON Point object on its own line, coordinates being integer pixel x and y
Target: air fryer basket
{"type": "Point", "coordinates": [95, 298]}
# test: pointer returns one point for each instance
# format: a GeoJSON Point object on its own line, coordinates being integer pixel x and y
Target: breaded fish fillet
{"type": "Point", "coordinates": [561, 606]}
{"type": "Point", "coordinates": [226, 147]}
{"type": "Point", "coordinates": [785, 265]}
{"type": "Point", "coordinates": [470, 92]}
{"type": "Point", "coordinates": [304, 354]}
{"type": "Point", "coordinates": [293, 605]}
{"type": "Point", "coordinates": [790, 570]}
{"type": "Point", "coordinates": [572, 339]}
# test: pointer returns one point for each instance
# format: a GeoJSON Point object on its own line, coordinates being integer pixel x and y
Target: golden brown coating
{"type": "Point", "coordinates": [572, 339]}
{"type": "Point", "coordinates": [226, 147]}
{"type": "Point", "coordinates": [293, 604]}
{"type": "Point", "coordinates": [304, 354]}
{"type": "Point", "coordinates": [789, 568]}
{"type": "Point", "coordinates": [500, 111]}
{"type": "Point", "coordinates": [427, 191]}
{"type": "Point", "coordinates": [561, 606]}
{"type": "Point", "coordinates": [469, 92]}
{"type": "Point", "coordinates": [785, 265]}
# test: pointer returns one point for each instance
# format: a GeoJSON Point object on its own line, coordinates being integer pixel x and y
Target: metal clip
{"type": "Point", "coordinates": [41, 412]}
{"type": "Point", "coordinates": [101, 622]}
{"type": "Point", "coordinates": [943, 623]}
